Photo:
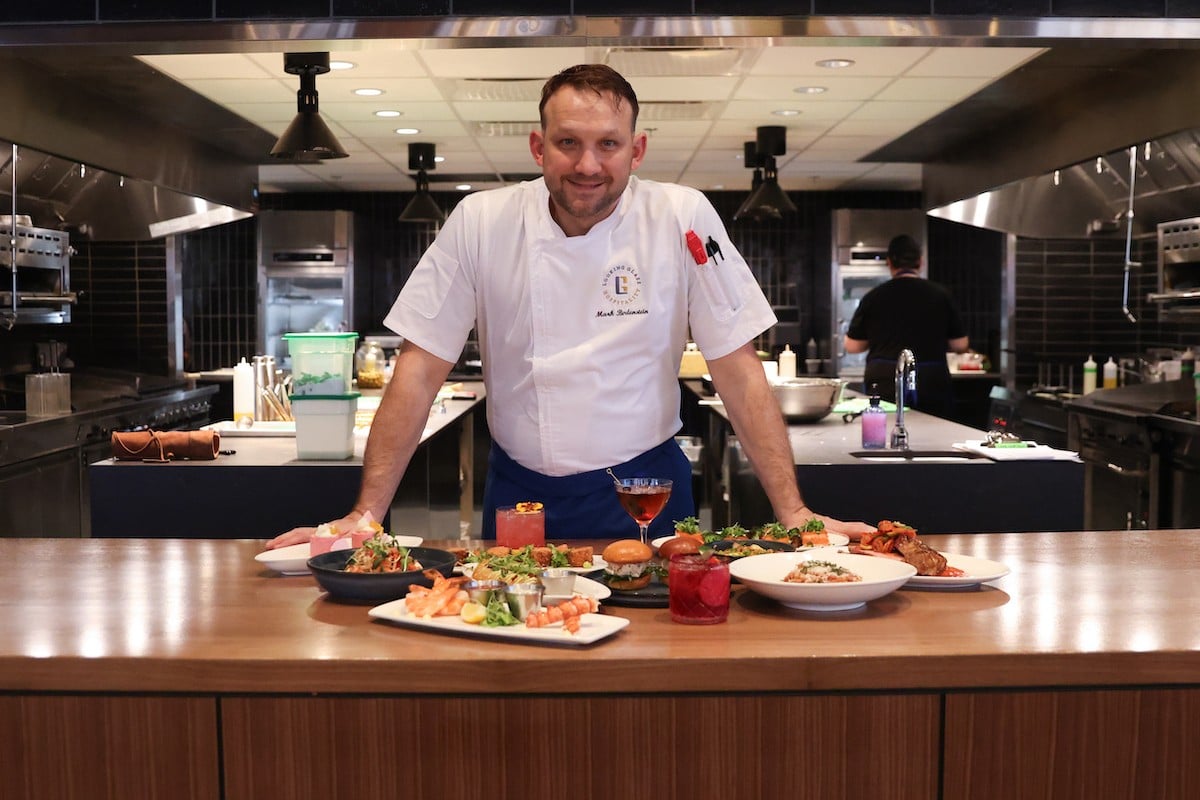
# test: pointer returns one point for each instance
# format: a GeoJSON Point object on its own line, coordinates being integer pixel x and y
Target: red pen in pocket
{"type": "Point", "coordinates": [696, 247]}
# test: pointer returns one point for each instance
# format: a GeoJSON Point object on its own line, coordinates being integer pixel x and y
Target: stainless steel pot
{"type": "Point", "coordinates": [807, 399]}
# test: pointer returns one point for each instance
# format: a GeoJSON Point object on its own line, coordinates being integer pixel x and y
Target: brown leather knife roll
{"type": "Point", "coordinates": [166, 445]}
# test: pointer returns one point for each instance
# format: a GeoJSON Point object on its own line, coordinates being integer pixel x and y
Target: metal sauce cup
{"type": "Point", "coordinates": [559, 582]}
{"type": "Point", "coordinates": [524, 599]}
{"type": "Point", "coordinates": [482, 592]}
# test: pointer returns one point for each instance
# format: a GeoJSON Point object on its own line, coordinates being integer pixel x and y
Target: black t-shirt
{"type": "Point", "coordinates": [913, 314]}
{"type": "Point", "coordinates": [906, 313]}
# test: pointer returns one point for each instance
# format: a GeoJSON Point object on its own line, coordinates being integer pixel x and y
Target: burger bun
{"type": "Point", "coordinates": [677, 544]}
{"type": "Point", "coordinates": [627, 551]}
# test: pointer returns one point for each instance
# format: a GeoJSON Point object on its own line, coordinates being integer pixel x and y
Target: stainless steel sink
{"type": "Point", "coordinates": [916, 456]}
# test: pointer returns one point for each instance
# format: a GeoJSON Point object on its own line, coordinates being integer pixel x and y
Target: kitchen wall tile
{"type": "Point", "coordinates": [609, 8]}
{"type": "Point", "coordinates": [130, 10]}
{"type": "Point", "coordinates": [63, 11]}
{"type": "Point", "coordinates": [996, 8]}
{"type": "Point", "coordinates": [278, 9]}
{"type": "Point", "coordinates": [917, 8]}
{"type": "Point", "coordinates": [525, 8]}
{"type": "Point", "coordinates": [393, 8]}
{"type": "Point", "coordinates": [1183, 8]}
{"type": "Point", "coordinates": [1109, 8]}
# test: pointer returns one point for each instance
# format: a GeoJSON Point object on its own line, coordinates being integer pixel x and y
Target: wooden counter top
{"type": "Point", "coordinates": [173, 615]}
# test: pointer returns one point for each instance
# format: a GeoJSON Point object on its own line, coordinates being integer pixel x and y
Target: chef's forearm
{"type": "Point", "coordinates": [397, 427]}
{"type": "Point", "coordinates": [758, 422]}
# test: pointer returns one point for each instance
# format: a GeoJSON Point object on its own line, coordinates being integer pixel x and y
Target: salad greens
{"type": "Point", "coordinates": [497, 615]}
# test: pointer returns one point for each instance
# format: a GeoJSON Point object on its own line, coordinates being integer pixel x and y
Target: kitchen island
{"type": "Point", "coordinates": [180, 668]}
{"type": "Point", "coordinates": [259, 488]}
{"type": "Point", "coordinates": [933, 486]}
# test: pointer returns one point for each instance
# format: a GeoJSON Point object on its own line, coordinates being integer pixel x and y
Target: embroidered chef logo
{"type": "Point", "coordinates": [622, 285]}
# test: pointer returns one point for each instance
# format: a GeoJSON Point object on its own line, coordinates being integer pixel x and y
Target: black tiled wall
{"type": "Point", "coordinates": [1068, 305]}
{"type": "Point", "coordinates": [218, 282]}
{"type": "Point", "coordinates": [120, 321]}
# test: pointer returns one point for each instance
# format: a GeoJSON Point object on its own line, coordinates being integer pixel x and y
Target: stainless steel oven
{"type": "Point", "coordinates": [1121, 484]}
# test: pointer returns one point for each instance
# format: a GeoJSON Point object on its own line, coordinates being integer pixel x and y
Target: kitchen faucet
{"type": "Point", "coordinates": [906, 380]}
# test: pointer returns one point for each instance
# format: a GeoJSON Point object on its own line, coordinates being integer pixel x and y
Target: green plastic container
{"type": "Point", "coordinates": [322, 363]}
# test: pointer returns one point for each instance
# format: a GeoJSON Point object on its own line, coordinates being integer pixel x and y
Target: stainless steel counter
{"type": "Point", "coordinates": [936, 490]}
{"type": "Point", "coordinates": [263, 489]}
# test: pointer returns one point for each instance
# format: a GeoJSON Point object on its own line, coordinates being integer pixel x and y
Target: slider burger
{"type": "Point", "coordinates": [628, 565]}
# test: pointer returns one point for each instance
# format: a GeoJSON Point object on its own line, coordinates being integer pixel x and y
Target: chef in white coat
{"type": "Point", "coordinates": [583, 288]}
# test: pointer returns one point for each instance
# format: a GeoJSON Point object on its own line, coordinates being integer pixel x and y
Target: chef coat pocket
{"type": "Point", "coordinates": [427, 288]}
{"type": "Point", "coordinates": [721, 292]}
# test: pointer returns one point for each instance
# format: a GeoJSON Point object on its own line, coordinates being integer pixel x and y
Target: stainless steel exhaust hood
{"type": "Point", "coordinates": [98, 168]}
{"type": "Point", "coordinates": [1044, 151]}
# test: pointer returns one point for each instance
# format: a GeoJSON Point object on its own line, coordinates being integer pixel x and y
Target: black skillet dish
{"type": "Point", "coordinates": [375, 587]}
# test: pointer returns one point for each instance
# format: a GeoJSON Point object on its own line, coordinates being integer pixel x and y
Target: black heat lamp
{"type": "Point", "coordinates": [766, 200]}
{"type": "Point", "coordinates": [422, 207]}
{"type": "Point", "coordinates": [307, 138]}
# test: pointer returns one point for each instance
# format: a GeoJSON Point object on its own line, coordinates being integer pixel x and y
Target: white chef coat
{"type": "Point", "coordinates": [580, 336]}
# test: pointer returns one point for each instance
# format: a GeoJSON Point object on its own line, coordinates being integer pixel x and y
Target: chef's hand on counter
{"type": "Point", "coordinates": [299, 535]}
{"type": "Point", "coordinates": [854, 530]}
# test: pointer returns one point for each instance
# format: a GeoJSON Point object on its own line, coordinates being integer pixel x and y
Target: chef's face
{"type": "Point", "coordinates": [587, 151]}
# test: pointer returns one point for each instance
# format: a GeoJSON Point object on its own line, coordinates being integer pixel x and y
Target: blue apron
{"type": "Point", "coordinates": [585, 506]}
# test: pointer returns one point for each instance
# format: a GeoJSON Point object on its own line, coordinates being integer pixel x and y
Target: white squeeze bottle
{"type": "Point", "coordinates": [1110, 374]}
{"type": "Point", "coordinates": [787, 362]}
{"type": "Point", "coordinates": [1089, 376]}
{"type": "Point", "coordinates": [243, 392]}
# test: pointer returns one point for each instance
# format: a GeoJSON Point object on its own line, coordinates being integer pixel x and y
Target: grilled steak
{"type": "Point", "coordinates": [927, 560]}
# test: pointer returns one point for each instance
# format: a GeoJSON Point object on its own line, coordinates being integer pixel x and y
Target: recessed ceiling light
{"type": "Point", "coordinates": [408, 131]}
{"type": "Point", "coordinates": [387, 113]}
{"type": "Point", "coordinates": [341, 65]}
{"type": "Point", "coordinates": [786, 112]}
{"type": "Point", "coordinates": [810, 90]}
{"type": "Point", "coordinates": [835, 63]}
{"type": "Point", "coordinates": [463, 187]}
{"type": "Point", "coordinates": [368, 92]}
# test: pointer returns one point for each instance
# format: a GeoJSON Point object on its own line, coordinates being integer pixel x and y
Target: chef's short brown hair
{"type": "Point", "coordinates": [599, 78]}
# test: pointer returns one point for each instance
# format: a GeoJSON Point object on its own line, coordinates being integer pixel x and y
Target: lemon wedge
{"type": "Point", "coordinates": [472, 613]}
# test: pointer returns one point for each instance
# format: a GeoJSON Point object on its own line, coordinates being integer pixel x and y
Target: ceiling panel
{"type": "Point", "coordinates": [700, 104]}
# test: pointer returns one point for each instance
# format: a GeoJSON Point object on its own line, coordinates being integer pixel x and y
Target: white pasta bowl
{"type": "Point", "coordinates": [765, 575]}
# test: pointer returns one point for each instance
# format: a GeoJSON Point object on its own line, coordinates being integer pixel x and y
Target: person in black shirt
{"type": "Point", "coordinates": [908, 312]}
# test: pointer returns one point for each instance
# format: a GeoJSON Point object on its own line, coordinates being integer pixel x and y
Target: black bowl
{"type": "Point", "coordinates": [766, 544]}
{"type": "Point", "coordinates": [375, 587]}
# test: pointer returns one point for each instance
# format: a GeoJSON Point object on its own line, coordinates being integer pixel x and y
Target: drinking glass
{"type": "Point", "coordinates": [643, 499]}
{"type": "Point", "coordinates": [517, 526]}
{"type": "Point", "coordinates": [698, 588]}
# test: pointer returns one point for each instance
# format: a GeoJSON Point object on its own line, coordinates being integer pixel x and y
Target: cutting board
{"type": "Point", "coordinates": [1036, 452]}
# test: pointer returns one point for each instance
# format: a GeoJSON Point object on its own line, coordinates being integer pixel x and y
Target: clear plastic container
{"type": "Point", "coordinates": [370, 365]}
{"type": "Point", "coordinates": [322, 363]}
{"type": "Point", "coordinates": [324, 426]}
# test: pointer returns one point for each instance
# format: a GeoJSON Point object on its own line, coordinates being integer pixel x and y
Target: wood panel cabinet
{"type": "Point", "coordinates": [73, 747]}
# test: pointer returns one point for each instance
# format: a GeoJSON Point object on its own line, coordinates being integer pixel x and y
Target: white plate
{"type": "Point", "coordinates": [765, 575]}
{"type": "Point", "coordinates": [584, 586]}
{"type": "Point", "coordinates": [592, 627]}
{"type": "Point", "coordinates": [293, 559]}
{"type": "Point", "coordinates": [979, 570]}
{"type": "Point", "coordinates": [598, 562]}
{"type": "Point", "coordinates": [835, 540]}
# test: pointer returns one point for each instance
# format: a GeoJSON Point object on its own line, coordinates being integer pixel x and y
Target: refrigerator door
{"type": "Point", "coordinates": [854, 281]}
{"type": "Point", "coordinates": [305, 276]}
{"type": "Point", "coordinates": [300, 300]}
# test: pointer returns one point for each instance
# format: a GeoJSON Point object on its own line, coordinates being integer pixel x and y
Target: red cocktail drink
{"type": "Point", "coordinates": [519, 525]}
{"type": "Point", "coordinates": [643, 499]}
{"type": "Point", "coordinates": [698, 588]}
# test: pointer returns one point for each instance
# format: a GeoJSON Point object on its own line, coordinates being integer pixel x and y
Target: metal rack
{"type": "Point", "coordinates": [38, 262]}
